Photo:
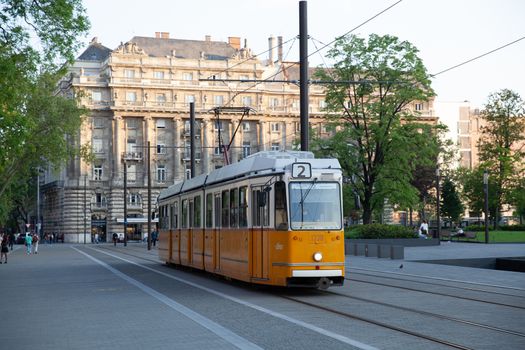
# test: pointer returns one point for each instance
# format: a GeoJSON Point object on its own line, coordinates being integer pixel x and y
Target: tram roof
{"type": "Point", "coordinates": [270, 162]}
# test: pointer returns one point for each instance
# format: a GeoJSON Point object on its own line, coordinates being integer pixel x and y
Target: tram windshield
{"type": "Point", "coordinates": [315, 206]}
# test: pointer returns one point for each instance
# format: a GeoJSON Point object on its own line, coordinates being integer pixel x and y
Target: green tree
{"type": "Point", "coordinates": [38, 39]}
{"type": "Point", "coordinates": [376, 139]}
{"type": "Point", "coordinates": [451, 206]}
{"type": "Point", "coordinates": [473, 191]}
{"type": "Point", "coordinates": [499, 150]}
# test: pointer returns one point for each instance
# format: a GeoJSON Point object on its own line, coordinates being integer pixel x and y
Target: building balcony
{"type": "Point", "coordinates": [132, 156]}
{"type": "Point", "coordinates": [99, 206]}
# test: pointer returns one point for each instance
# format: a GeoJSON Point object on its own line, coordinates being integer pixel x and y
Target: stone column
{"type": "Point", "coordinates": [177, 124]}
{"type": "Point", "coordinates": [117, 149]}
{"type": "Point", "coordinates": [262, 135]}
{"type": "Point", "coordinates": [234, 153]}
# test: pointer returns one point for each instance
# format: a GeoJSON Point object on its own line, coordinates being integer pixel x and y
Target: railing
{"type": "Point", "coordinates": [99, 205]}
{"type": "Point", "coordinates": [132, 155]}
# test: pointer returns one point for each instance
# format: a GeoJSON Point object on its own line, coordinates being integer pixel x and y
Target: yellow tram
{"type": "Point", "coordinates": [274, 218]}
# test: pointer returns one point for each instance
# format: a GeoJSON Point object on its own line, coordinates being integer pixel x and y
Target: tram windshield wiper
{"type": "Point", "coordinates": [303, 198]}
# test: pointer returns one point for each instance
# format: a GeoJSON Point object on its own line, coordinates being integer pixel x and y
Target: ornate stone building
{"type": "Point", "coordinates": [139, 93]}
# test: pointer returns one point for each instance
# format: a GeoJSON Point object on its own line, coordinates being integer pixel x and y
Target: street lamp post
{"type": "Point", "coordinates": [486, 204]}
{"type": "Point", "coordinates": [438, 205]}
{"type": "Point", "coordinates": [125, 203]}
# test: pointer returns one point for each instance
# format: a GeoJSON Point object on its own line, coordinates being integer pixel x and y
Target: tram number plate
{"type": "Point", "coordinates": [301, 170]}
{"type": "Point", "coordinates": [317, 238]}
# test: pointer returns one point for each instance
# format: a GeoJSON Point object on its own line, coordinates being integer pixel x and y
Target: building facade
{"type": "Point", "coordinates": [139, 94]}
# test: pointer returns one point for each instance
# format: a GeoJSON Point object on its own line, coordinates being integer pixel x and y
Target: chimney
{"type": "Point", "coordinates": [157, 35]}
{"type": "Point", "coordinates": [271, 44]}
{"type": "Point", "coordinates": [235, 42]}
{"type": "Point", "coordinates": [280, 48]}
{"type": "Point", "coordinates": [207, 38]}
{"type": "Point", "coordinates": [165, 35]}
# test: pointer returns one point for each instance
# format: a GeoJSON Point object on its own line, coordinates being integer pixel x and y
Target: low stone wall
{"type": "Point", "coordinates": [385, 248]}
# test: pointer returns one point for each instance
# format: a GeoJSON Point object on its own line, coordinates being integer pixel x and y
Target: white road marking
{"type": "Point", "coordinates": [311, 327]}
{"type": "Point", "coordinates": [219, 330]}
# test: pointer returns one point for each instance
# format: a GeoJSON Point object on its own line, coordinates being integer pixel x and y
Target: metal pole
{"type": "Point", "coordinates": [85, 178]}
{"type": "Point", "coordinates": [38, 204]}
{"type": "Point", "coordinates": [438, 205]}
{"type": "Point", "coordinates": [303, 75]}
{"type": "Point", "coordinates": [192, 138]}
{"type": "Point", "coordinates": [149, 196]}
{"type": "Point", "coordinates": [125, 203]}
{"type": "Point", "coordinates": [486, 191]}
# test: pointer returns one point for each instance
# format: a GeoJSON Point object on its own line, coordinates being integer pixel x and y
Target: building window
{"type": "Point", "coordinates": [274, 102]}
{"type": "Point", "coordinates": [129, 73]}
{"type": "Point", "coordinates": [161, 99]}
{"type": "Point", "coordinates": [189, 98]}
{"type": "Point", "coordinates": [131, 96]}
{"type": "Point", "coordinates": [246, 149]}
{"type": "Point", "coordinates": [161, 148]}
{"type": "Point", "coordinates": [275, 146]}
{"type": "Point", "coordinates": [419, 107]}
{"type": "Point", "coordinates": [132, 173]}
{"type": "Point", "coordinates": [245, 126]}
{"type": "Point", "coordinates": [161, 173]}
{"type": "Point", "coordinates": [160, 123]}
{"type": "Point", "coordinates": [322, 104]}
{"type": "Point", "coordinates": [219, 100]}
{"type": "Point", "coordinates": [275, 127]}
{"type": "Point", "coordinates": [96, 96]}
{"type": "Point", "coordinates": [244, 77]}
{"type": "Point", "coordinates": [218, 125]}
{"type": "Point", "coordinates": [98, 146]}
{"type": "Point", "coordinates": [98, 123]}
{"type": "Point", "coordinates": [97, 172]}
{"type": "Point", "coordinates": [295, 105]}
{"type": "Point", "coordinates": [247, 101]}
{"type": "Point", "coordinates": [187, 76]}
{"type": "Point", "coordinates": [158, 75]}
{"type": "Point", "coordinates": [132, 123]}
{"type": "Point", "coordinates": [134, 199]}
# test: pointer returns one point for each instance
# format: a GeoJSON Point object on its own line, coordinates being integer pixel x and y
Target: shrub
{"type": "Point", "coordinates": [476, 228]}
{"type": "Point", "coordinates": [513, 228]}
{"type": "Point", "coordinates": [376, 231]}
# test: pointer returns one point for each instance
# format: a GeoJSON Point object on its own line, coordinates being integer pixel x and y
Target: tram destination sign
{"type": "Point", "coordinates": [301, 170]}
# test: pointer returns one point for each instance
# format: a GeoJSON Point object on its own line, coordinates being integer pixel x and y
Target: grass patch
{"type": "Point", "coordinates": [497, 237]}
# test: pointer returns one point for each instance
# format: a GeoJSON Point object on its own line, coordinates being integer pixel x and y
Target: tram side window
{"type": "Point", "coordinates": [197, 212]}
{"type": "Point", "coordinates": [225, 208]}
{"type": "Point", "coordinates": [281, 218]}
{"type": "Point", "coordinates": [174, 216]}
{"type": "Point", "coordinates": [217, 203]}
{"type": "Point", "coordinates": [209, 210]}
{"type": "Point", "coordinates": [184, 214]}
{"type": "Point", "coordinates": [260, 208]}
{"type": "Point", "coordinates": [234, 207]}
{"type": "Point", "coordinates": [243, 206]}
{"type": "Point", "coordinates": [164, 217]}
{"type": "Point", "coordinates": [191, 212]}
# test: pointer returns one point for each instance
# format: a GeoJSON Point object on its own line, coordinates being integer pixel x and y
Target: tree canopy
{"type": "Point", "coordinates": [38, 39]}
{"type": "Point", "coordinates": [378, 138]}
{"type": "Point", "coordinates": [502, 145]}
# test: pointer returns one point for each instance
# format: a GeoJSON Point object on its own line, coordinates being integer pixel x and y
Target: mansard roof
{"type": "Point", "coordinates": [190, 49]}
{"type": "Point", "coordinates": [95, 52]}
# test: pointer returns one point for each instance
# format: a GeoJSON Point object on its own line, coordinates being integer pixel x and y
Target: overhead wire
{"type": "Point", "coordinates": [478, 57]}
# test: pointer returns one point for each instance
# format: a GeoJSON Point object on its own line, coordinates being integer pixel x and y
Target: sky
{"type": "Point", "coordinates": [446, 33]}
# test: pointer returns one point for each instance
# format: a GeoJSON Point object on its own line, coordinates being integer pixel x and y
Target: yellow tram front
{"type": "Point", "coordinates": [313, 252]}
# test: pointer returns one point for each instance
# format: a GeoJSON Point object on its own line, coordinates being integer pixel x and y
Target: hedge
{"type": "Point", "coordinates": [376, 231]}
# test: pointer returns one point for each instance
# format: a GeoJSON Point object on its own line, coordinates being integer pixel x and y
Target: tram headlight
{"type": "Point", "coordinates": [318, 256]}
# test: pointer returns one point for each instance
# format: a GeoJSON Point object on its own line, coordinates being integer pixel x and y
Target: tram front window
{"type": "Point", "coordinates": [315, 206]}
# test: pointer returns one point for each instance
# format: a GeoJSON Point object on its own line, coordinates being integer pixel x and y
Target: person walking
{"type": "Point", "coordinates": [35, 240]}
{"type": "Point", "coordinates": [4, 248]}
{"type": "Point", "coordinates": [11, 240]}
{"type": "Point", "coordinates": [29, 242]}
{"type": "Point", "coordinates": [115, 237]}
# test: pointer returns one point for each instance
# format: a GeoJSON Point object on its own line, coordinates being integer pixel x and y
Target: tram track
{"type": "Point", "coordinates": [430, 314]}
{"type": "Point", "coordinates": [379, 323]}
{"type": "Point", "coordinates": [442, 284]}
{"type": "Point", "coordinates": [437, 293]}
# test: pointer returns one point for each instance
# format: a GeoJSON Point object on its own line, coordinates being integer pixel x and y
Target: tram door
{"type": "Point", "coordinates": [217, 231]}
{"type": "Point", "coordinates": [260, 218]}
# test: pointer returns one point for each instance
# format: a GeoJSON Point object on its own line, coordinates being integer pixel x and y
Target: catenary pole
{"type": "Point", "coordinates": [303, 74]}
